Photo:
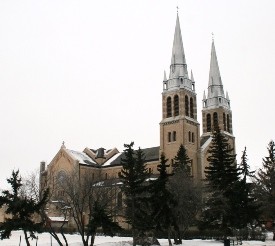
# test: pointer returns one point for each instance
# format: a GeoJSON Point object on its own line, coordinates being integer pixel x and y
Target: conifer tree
{"type": "Point", "coordinates": [133, 176]}
{"type": "Point", "coordinates": [244, 206]}
{"type": "Point", "coordinates": [21, 209]}
{"type": "Point", "coordinates": [266, 184]}
{"type": "Point", "coordinates": [186, 193]}
{"type": "Point", "coordinates": [221, 178]}
{"type": "Point", "coordinates": [162, 200]}
{"type": "Point", "coordinates": [182, 161]}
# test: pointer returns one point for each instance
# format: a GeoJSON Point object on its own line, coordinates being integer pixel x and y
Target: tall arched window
{"type": "Point", "coordinates": [176, 105]}
{"type": "Point", "coordinates": [215, 119]}
{"type": "Point", "coordinates": [228, 124]}
{"type": "Point", "coordinates": [186, 106]}
{"type": "Point", "coordinates": [191, 108]}
{"type": "Point", "coordinates": [208, 123]}
{"type": "Point", "coordinates": [169, 107]}
{"type": "Point", "coordinates": [189, 136]}
{"type": "Point", "coordinates": [224, 122]}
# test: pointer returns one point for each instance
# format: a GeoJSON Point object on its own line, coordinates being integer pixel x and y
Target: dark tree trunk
{"type": "Point", "coordinates": [26, 238]}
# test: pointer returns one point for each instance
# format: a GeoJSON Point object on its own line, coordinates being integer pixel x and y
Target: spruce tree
{"type": "Point", "coordinates": [266, 184]}
{"type": "Point", "coordinates": [221, 178]}
{"type": "Point", "coordinates": [133, 176]}
{"type": "Point", "coordinates": [21, 209]}
{"type": "Point", "coordinates": [182, 161]}
{"type": "Point", "coordinates": [162, 200]}
{"type": "Point", "coordinates": [244, 205]}
{"type": "Point", "coordinates": [186, 193]}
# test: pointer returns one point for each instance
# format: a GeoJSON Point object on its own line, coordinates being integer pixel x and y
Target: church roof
{"type": "Point", "coordinates": [151, 154]}
{"type": "Point", "coordinates": [204, 140]}
{"type": "Point", "coordinates": [81, 157]}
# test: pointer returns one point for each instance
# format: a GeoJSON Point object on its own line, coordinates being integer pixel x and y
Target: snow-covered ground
{"type": "Point", "coordinates": [75, 240]}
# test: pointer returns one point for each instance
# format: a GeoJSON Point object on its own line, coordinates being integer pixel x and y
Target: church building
{"type": "Point", "coordinates": [179, 125]}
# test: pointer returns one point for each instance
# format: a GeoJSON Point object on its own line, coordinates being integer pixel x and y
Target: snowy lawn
{"type": "Point", "coordinates": [75, 240]}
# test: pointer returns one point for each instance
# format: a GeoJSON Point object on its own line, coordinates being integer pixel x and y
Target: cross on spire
{"type": "Point", "coordinates": [177, 9]}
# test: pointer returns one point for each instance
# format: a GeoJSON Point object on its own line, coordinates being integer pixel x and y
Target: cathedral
{"type": "Point", "coordinates": [179, 125]}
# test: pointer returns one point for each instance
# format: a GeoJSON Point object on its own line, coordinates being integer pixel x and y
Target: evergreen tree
{"type": "Point", "coordinates": [266, 184]}
{"type": "Point", "coordinates": [186, 194]}
{"type": "Point", "coordinates": [182, 161]}
{"type": "Point", "coordinates": [221, 178]}
{"type": "Point", "coordinates": [244, 206]}
{"type": "Point", "coordinates": [21, 209]}
{"type": "Point", "coordinates": [133, 176]}
{"type": "Point", "coordinates": [162, 200]}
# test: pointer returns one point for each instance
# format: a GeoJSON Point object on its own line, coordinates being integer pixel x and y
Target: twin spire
{"type": "Point", "coordinates": [179, 78]}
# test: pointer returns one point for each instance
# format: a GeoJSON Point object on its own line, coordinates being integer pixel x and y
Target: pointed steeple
{"type": "Point", "coordinates": [178, 76]}
{"type": "Point", "coordinates": [215, 87]}
{"type": "Point", "coordinates": [178, 63]}
{"type": "Point", "coordinates": [216, 96]}
{"type": "Point", "coordinates": [178, 56]}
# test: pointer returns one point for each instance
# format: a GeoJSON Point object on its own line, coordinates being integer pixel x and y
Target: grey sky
{"type": "Point", "coordinates": [90, 72]}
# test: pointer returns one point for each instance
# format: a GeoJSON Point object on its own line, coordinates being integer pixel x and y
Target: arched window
{"type": "Point", "coordinates": [169, 107]}
{"type": "Point", "coordinates": [189, 136]}
{"type": "Point", "coordinates": [191, 108]}
{"type": "Point", "coordinates": [106, 175]}
{"type": "Point", "coordinates": [176, 105]}
{"type": "Point", "coordinates": [224, 122]}
{"type": "Point", "coordinates": [169, 137]}
{"type": "Point", "coordinates": [215, 119]}
{"type": "Point", "coordinates": [228, 124]}
{"type": "Point", "coordinates": [208, 123]}
{"type": "Point", "coordinates": [193, 137]}
{"type": "Point", "coordinates": [186, 106]}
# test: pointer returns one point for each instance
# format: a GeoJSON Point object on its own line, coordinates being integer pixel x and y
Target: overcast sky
{"type": "Point", "coordinates": [90, 72]}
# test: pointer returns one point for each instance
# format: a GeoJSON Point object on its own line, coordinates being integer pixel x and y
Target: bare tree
{"type": "Point", "coordinates": [80, 194]}
{"type": "Point", "coordinates": [31, 189]}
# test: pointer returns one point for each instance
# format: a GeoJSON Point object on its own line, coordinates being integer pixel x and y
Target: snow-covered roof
{"type": "Point", "coordinates": [109, 162]}
{"type": "Point", "coordinates": [81, 157]}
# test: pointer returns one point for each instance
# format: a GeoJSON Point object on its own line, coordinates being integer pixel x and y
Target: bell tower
{"type": "Point", "coordinates": [216, 106]}
{"type": "Point", "coordinates": [179, 123]}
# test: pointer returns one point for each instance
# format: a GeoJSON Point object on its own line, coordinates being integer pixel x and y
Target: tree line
{"type": "Point", "coordinates": [231, 197]}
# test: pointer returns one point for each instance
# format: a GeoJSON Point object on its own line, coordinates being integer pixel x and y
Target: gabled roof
{"type": "Point", "coordinates": [81, 157]}
{"type": "Point", "coordinates": [151, 154]}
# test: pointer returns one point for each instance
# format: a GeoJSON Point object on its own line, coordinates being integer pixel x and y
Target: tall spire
{"type": "Point", "coordinates": [216, 96]}
{"type": "Point", "coordinates": [215, 87]}
{"type": "Point", "coordinates": [178, 62]}
{"type": "Point", "coordinates": [178, 76]}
